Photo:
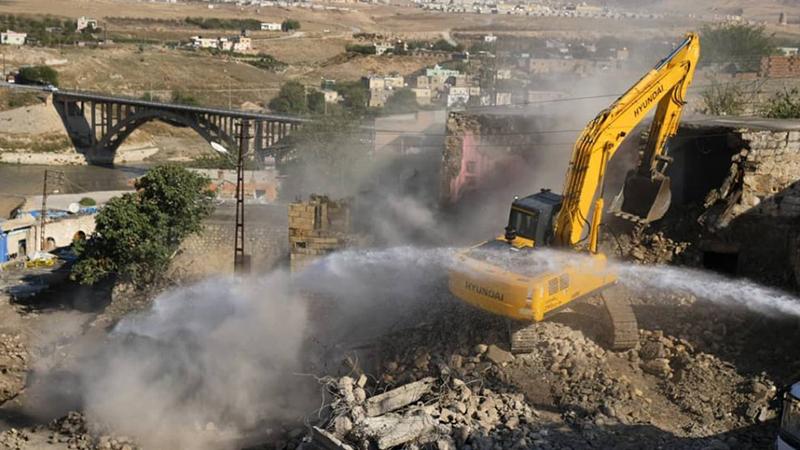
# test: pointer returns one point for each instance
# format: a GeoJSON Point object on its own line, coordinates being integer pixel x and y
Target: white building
{"type": "Point", "coordinates": [13, 38]}
{"type": "Point", "coordinates": [394, 82]}
{"type": "Point", "coordinates": [201, 42]}
{"type": "Point", "coordinates": [490, 38]}
{"type": "Point", "coordinates": [238, 44]}
{"type": "Point", "coordinates": [85, 22]}
{"type": "Point", "coordinates": [457, 96]}
{"type": "Point", "coordinates": [331, 96]}
{"type": "Point", "coordinates": [382, 47]}
{"type": "Point", "coordinates": [270, 26]}
{"type": "Point", "coordinates": [241, 44]}
{"type": "Point", "coordinates": [502, 98]}
{"type": "Point", "coordinates": [423, 95]}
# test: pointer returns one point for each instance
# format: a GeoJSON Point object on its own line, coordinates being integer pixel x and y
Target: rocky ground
{"type": "Point", "coordinates": [701, 377]}
{"type": "Point", "coordinates": [37, 334]}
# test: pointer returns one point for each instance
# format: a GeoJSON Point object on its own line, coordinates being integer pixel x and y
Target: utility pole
{"type": "Point", "coordinates": [43, 215]}
{"type": "Point", "coordinates": [241, 262]}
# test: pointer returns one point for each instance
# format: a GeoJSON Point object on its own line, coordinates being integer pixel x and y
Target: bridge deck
{"type": "Point", "coordinates": [102, 98]}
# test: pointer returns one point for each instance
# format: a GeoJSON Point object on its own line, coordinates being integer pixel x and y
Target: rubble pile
{"type": "Point", "coordinates": [13, 366]}
{"type": "Point", "coordinates": [433, 388]}
{"type": "Point", "coordinates": [74, 431]}
{"type": "Point", "coordinates": [647, 247]}
{"type": "Point", "coordinates": [446, 412]}
{"type": "Point", "coordinates": [14, 439]}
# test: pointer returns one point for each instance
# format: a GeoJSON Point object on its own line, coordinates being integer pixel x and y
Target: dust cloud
{"type": "Point", "coordinates": [206, 364]}
{"type": "Point", "coordinates": [214, 364]}
{"type": "Point", "coordinates": [217, 363]}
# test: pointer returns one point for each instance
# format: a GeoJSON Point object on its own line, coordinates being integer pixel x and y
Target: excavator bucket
{"type": "Point", "coordinates": [643, 199]}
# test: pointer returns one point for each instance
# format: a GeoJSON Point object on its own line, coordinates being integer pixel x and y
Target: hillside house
{"type": "Point", "coordinates": [270, 26]}
{"type": "Point", "coordinates": [13, 38]}
{"type": "Point", "coordinates": [85, 23]}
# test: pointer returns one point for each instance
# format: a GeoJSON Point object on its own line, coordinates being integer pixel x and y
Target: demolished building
{"type": "Point", "coordinates": [736, 196]}
{"type": "Point", "coordinates": [491, 147]}
{"type": "Point", "coordinates": [317, 227]}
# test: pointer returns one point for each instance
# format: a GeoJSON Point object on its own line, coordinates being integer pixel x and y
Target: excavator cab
{"type": "Point", "coordinates": [531, 219]}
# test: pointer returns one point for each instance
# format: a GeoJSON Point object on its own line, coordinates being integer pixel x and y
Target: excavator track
{"type": "Point", "coordinates": [622, 330]}
{"type": "Point", "coordinates": [522, 337]}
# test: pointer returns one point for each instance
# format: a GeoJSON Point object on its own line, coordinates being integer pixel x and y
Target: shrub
{"type": "Point", "coordinates": [362, 49]}
{"type": "Point", "coordinates": [38, 75]}
{"type": "Point", "coordinates": [290, 24]}
{"type": "Point", "coordinates": [783, 105]}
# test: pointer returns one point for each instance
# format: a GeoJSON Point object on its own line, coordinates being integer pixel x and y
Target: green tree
{"type": "Point", "coordinates": [38, 75]}
{"type": "Point", "coordinates": [740, 44]}
{"type": "Point", "coordinates": [136, 234]}
{"type": "Point", "coordinates": [291, 99]}
{"type": "Point", "coordinates": [783, 105]}
{"type": "Point", "coordinates": [290, 24]}
{"type": "Point", "coordinates": [362, 49]}
{"type": "Point", "coordinates": [182, 193]}
{"type": "Point", "coordinates": [445, 46]}
{"type": "Point", "coordinates": [316, 102]}
{"type": "Point", "coordinates": [355, 96]}
{"type": "Point", "coordinates": [402, 101]}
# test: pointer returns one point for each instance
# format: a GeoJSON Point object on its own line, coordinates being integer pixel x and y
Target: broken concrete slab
{"type": "Point", "coordinates": [328, 441]}
{"type": "Point", "coordinates": [398, 398]}
{"type": "Point", "coordinates": [498, 356]}
{"type": "Point", "coordinates": [392, 430]}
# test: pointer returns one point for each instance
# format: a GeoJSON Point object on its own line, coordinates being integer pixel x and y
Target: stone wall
{"type": "Point", "coordinates": [211, 251]}
{"type": "Point", "coordinates": [736, 195]}
{"type": "Point", "coordinates": [61, 232]}
{"type": "Point", "coordinates": [58, 233]}
{"type": "Point", "coordinates": [316, 228]}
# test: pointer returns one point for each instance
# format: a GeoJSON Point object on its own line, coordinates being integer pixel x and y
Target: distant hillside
{"type": "Point", "coordinates": [762, 9]}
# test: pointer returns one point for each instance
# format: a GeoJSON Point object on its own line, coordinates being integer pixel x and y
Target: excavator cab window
{"type": "Point", "coordinates": [532, 216]}
{"type": "Point", "coordinates": [524, 222]}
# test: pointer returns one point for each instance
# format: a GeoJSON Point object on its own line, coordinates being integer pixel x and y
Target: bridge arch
{"type": "Point", "coordinates": [200, 123]}
{"type": "Point", "coordinates": [98, 124]}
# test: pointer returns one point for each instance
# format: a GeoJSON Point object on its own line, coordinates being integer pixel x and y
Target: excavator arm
{"type": "Point", "coordinates": [663, 88]}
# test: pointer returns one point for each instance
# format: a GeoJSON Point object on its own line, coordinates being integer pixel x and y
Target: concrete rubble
{"type": "Point", "coordinates": [677, 389]}
{"type": "Point", "coordinates": [71, 431]}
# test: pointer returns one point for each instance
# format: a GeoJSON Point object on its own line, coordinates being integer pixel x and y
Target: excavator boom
{"type": "Point", "coordinates": [646, 194]}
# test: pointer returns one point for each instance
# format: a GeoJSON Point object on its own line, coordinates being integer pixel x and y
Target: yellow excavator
{"type": "Point", "coordinates": [513, 277]}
